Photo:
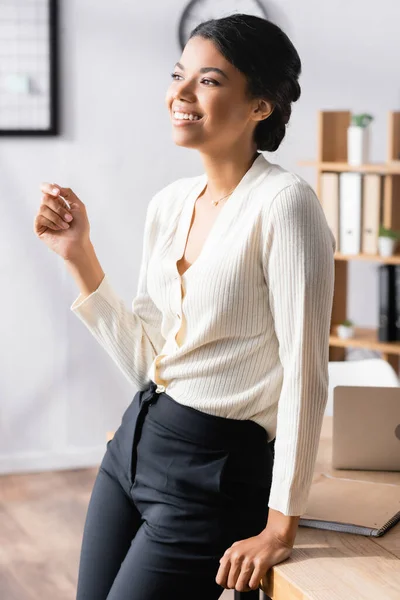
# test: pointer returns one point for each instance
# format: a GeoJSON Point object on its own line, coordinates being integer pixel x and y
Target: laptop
{"type": "Point", "coordinates": [366, 428]}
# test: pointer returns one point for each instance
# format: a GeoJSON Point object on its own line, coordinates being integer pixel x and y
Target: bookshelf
{"type": "Point", "coordinates": [332, 157]}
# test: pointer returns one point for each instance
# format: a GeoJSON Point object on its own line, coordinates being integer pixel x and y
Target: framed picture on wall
{"type": "Point", "coordinates": [28, 68]}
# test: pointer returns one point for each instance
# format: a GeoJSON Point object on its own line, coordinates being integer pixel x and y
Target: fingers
{"type": "Point", "coordinates": [234, 572]}
{"type": "Point", "coordinates": [54, 200]}
{"type": "Point", "coordinates": [42, 223]}
{"type": "Point", "coordinates": [255, 579]}
{"type": "Point", "coordinates": [54, 217]}
{"type": "Point", "coordinates": [66, 194]}
{"type": "Point", "coordinates": [240, 575]}
{"type": "Point", "coordinates": [58, 206]}
{"type": "Point", "coordinates": [223, 572]}
{"type": "Point", "coordinates": [239, 572]}
{"type": "Point", "coordinates": [50, 188]}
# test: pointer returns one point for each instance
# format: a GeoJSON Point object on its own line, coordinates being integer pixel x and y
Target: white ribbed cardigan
{"type": "Point", "coordinates": [253, 314]}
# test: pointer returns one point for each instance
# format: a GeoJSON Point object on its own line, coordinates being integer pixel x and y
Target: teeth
{"type": "Point", "coordinates": [186, 116]}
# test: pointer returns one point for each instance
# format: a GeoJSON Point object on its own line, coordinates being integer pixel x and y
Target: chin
{"type": "Point", "coordinates": [185, 143]}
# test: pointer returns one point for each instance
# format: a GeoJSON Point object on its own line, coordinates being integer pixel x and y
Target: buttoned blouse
{"type": "Point", "coordinates": [244, 332]}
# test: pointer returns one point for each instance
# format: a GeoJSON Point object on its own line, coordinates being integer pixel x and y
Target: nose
{"type": "Point", "coordinates": [184, 90]}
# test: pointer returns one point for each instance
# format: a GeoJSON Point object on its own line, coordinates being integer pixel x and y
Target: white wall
{"type": "Point", "coordinates": [59, 391]}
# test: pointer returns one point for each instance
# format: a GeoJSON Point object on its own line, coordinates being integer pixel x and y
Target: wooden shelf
{"type": "Point", "coordinates": [364, 338]}
{"type": "Point", "coordinates": [332, 156]}
{"type": "Point", "coordinates": [388, 260]}
{"type": "Point", "coordinates": [391, 168]}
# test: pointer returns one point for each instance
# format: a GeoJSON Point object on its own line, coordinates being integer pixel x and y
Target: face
{"type": "Point", "coordinates": [212, 91]}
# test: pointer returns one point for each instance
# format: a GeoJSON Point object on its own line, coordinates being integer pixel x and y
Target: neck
{"type": "Point", "coordinates": [224, 171]}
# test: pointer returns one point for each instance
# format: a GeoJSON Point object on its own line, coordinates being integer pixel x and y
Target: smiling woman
{"type": "Point", "coordinates": [250, 91]}
{"type": "Point", "coordinates": [227, 338]}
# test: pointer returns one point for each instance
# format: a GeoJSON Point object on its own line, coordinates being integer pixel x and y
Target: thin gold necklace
{"type": "Point", "coordinates": [215, 202]}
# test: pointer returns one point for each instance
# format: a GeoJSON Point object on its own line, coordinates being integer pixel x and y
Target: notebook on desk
{"type": "Point", "coordinates": [365, 437]}
{"type": "Point", "coordinates": [351, 506]}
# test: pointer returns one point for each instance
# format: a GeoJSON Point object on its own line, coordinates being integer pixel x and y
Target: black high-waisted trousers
{"type": "Point", "coordinates": [175, 489]}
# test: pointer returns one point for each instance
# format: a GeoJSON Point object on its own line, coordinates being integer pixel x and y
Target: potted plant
{"type": "Point", "coordinates": [346, 329]}
{"type": "Point", "coordinates": [387, 241]}
{"type": "Point", "coordinates": [358, 139]}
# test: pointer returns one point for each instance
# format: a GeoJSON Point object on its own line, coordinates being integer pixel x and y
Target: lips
{"type": "Point", "coordinates": [186, 111]}
{"type": "Point", "coordinates": [185, 122]}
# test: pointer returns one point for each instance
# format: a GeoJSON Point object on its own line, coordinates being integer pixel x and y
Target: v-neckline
{"type": "Point", "coordinates": [186, 215]}
{"type": "Point", "coordinates": [187, 219]}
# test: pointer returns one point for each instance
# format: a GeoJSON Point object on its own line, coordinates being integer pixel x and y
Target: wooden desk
{"type": "Point", "coordinates": [326, 565]}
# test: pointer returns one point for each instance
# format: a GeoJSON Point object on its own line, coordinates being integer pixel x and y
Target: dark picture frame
{"type": "Point", "coordinates": [49, 96]}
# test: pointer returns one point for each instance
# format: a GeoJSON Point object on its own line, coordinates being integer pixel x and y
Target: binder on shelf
{"type": "Point", "coordinates": [387, 303]}
{"type": "Point", "coordinates": [330, 202]}
{"type": "Point", "coordinates": [352, 506]}
{"type": "Point", "coordinates": [397, 301]}
{"type": "Point", "coordinates": [371, 212]}
{"type": "Point", "coordinates": [350, 212]}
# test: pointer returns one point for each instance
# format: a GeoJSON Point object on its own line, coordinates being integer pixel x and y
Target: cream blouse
{"type": "Point", "coordinates": [244, 332]}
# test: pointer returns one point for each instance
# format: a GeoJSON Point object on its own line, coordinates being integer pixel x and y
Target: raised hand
{"type": "Point", "coordinates": [64, 230]}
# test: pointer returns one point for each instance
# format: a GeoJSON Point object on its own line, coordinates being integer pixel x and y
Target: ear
{"type": "Point", "coordinates": [262, 110]}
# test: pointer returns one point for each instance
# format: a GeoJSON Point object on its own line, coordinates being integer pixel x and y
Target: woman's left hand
{"type": "Point", "coordinates": [247, 561]}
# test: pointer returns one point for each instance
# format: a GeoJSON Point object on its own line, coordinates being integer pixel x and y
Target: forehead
{"type": "Point", "coordinates": [200, 52]}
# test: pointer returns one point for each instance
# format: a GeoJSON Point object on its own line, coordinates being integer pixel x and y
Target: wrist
{"type": "Point", "coordinates": [80, 254]}
{"type": "Point", "coordinates": [85, 268]}
{"type": "Point", "coordinates": [283, 538]}
{"type": "Point", "coordinates": [282, 527]}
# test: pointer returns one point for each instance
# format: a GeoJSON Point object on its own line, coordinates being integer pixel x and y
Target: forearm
{"type": "Point", "coordinates": [282, 526]}
{"type": "Point", "coordinates": [85, 270]}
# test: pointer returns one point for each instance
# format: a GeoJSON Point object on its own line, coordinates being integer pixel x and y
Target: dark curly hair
{"type": "Point", "coordinates": [266, 56]}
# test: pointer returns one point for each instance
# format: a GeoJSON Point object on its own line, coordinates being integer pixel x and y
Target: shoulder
{"type": "Point", "coordinates": [291, 205]}
{"type": "Point", "coordinates": [280, 184]}
{"type": "Point", "coordinates": [286, 196]}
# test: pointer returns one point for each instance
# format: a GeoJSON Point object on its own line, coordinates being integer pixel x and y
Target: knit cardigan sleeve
{"type": "Point", "coordinates": [299, 271]}
{"type": "Point", "coordinates": [132, 337]}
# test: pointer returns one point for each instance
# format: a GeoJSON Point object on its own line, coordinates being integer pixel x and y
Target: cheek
{"type": "Point", "coordinates": [216, 108]}
{"type": "Point", "coordinates": [238, 111]}
{"type": "Point", "coordinates": [226, 112]}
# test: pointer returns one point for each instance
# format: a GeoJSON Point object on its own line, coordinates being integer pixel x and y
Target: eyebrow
{"type": "Point", "coordinates": [205, 69]}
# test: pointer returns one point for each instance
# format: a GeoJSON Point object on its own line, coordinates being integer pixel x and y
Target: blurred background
{"type": "Point", "coordinates": [59, 390]}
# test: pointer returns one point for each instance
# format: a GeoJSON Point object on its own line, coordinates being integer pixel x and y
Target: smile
{"type": "Point", "coordinates": [179, 118]}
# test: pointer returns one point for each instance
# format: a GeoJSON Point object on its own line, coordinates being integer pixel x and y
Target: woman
{"type": "Point", "coordinates": [227, 339]}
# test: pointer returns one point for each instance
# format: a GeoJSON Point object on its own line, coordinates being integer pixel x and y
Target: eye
{"type": "Point", "coordinates": [211, 81]}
